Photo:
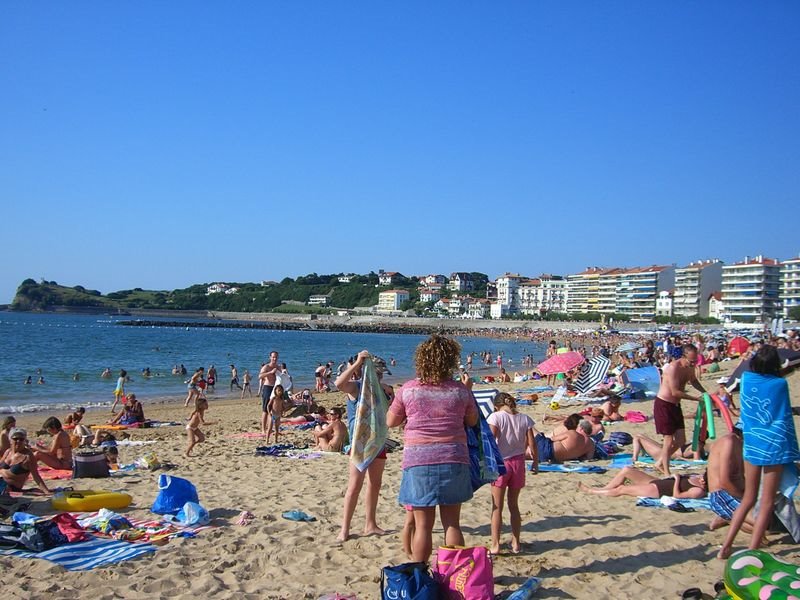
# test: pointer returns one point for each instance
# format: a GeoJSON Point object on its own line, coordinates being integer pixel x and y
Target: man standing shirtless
{"type": "Point", "coordinates": [266, 380]}
{"type": "Point", "coordinates": [667, 411]}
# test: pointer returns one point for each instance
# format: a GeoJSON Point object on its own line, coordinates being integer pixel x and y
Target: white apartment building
{"type": "Point", "coordinates": [790, 284]}
{"type": "Point", "coordinates": [392, 299]}
{"type": "Point", "coordinates": [638, 288]}
{"type": "Point", "coordinates": [751, 289]}
{"type": "Point", "coordinates": [507, 290]}
{"type": "Point", "coordinates": [582, 290]}
{"type": "Point", "coordinates": [694, 284]}
{"type": "Point", "coordinates": [607, 285]}
{"type": "Point", "coordinates": [543, 294]}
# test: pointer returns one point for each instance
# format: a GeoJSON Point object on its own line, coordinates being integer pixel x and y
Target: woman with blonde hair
{"type": "Point", "coordinates": [435, 410]}
{"type": "Point", "coordinates": [514, 434]}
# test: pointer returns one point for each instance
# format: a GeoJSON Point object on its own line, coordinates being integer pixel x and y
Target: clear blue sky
{"type": "Point", "coordinates": [160, 144]}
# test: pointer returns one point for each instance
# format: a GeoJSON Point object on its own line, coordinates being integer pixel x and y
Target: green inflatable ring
{"type": "Point", "coordinates": [757, 575]}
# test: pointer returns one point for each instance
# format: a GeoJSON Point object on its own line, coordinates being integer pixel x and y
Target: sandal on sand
{"type": "Point", "coordinates": [297, 515]}
{"type": "Point", "coordinates": [692, 594]}
{"type": "Point", "coordinates": [678, 507]}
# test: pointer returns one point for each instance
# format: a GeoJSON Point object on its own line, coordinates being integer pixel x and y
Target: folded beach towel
{"type": "Point", "coordinates": [84, 556]}
{"type": "Point", "coordinates": [278, 450]}
{"type": "Point", "coordinates": [626, 460]}
{"type": "Point", "coordinates": [568, 468]}
{"type": "Point", "coordinates": [666, 501]}
{"type": "Point", "coordinates": [50, 474]}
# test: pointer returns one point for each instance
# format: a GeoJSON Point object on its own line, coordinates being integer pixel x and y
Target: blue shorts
{"type": "Point", "coordinates": [266, 392]}
{"type": "Point", "coordinates": [544, 445]}
{"type": "Point", "coordinates": [723, 504]}
{"type": "Point", "coordinates": [434, 485]}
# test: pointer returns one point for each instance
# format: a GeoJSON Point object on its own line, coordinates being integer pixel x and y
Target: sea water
{"type": "Point", "coordinates": [62, 345]}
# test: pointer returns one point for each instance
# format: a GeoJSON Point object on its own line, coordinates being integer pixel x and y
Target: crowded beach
{"type": "Point", "coordinates": [627, 483]}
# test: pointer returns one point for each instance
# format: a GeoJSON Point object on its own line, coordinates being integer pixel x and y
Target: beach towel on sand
{"type": "Point", "coordinates": [83, 556]}
{"type": "Point", "coordinates": [559, 468]}
{"type": "Point", "coordinates": [369, 429]}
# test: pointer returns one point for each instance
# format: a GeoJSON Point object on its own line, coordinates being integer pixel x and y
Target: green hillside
{"type": "Point", "coordinates": [361, 291]}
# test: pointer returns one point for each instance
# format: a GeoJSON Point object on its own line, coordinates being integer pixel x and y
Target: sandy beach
{"type": "Point", "coordinates": [581, 545]}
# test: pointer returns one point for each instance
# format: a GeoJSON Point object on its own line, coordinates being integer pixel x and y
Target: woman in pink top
{"type": "Point", "coordinates": [435, 410]}
{"type": "Point", "coordinates": [514, 435]}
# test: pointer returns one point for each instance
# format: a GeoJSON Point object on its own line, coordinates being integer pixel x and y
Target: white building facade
{"type": "Point", "coordinates": [751, 289]}
{"type": "Point", "coordinates": [790, 285]}
{"type": "Point", "coordinates": [391, 300]}
{"type": "Point", "coordinates": [694, 284]}
{"type": "Point", "coordinates": [638, 290]}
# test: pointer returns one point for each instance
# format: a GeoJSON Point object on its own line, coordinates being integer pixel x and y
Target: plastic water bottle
{"type": "Point", "coordinates": [527, 590]}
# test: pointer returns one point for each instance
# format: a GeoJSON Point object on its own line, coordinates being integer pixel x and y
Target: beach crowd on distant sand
{"type": "Point", "coordinates": [438, 415]}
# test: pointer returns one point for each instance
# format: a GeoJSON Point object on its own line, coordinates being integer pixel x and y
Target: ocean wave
{"type": "Point", "coordinates": [55, 407]}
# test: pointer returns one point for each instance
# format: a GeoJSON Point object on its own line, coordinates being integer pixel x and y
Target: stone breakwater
{"type": "Point", "coordinates": [401, 328]}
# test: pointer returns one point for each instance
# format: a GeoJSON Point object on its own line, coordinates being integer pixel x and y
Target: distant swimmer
{"type": "Point", "coordinates": [76, 377]}
{"type": "Point", "coordinates": [106, 373]}
{"type": "Point", "coordinates": [41, 381]}
{"type": "Point", "coordinates": [28, 380]}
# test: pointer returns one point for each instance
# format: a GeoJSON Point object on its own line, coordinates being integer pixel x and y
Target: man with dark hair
{"type": "Point", "coordinates": [667, 411]}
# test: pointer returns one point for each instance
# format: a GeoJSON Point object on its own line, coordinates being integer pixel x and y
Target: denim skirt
{"type": "Point", "coordinates": [434, 485]}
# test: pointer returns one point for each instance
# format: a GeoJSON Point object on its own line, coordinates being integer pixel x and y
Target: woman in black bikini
{"type": "Point", "coordinates": [642, 484]}
{"type": "Point", "coordinates": [18, 462]}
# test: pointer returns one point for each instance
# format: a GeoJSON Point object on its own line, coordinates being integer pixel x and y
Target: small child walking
{"type": "Point", "coordinates": [275, 411]}
{"type": "Point", "coordinates": [195, 420]}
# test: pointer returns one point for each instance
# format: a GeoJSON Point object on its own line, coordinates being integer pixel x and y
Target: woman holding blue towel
{"type": "Point", "coordinates": [770, 442]}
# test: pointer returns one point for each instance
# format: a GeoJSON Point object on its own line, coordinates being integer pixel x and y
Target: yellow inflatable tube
{"type": "Point", "coordinates": [90, 500]}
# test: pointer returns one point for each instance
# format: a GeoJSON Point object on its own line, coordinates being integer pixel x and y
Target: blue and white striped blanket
{"type": "Point", "coordinates": [83, 556]}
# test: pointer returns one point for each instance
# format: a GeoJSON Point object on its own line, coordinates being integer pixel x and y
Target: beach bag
{"type": "Point", "coordinates": [42, 535]}
{"type": "Point", "coordinates": [173, 493]}
{"type": "Point", "coordinates": [600, 451]}
{"type": "Point", "coordinates": [485, 461]}
{"type": "Point", "coordinates": [464, 573]}
{"type": "Point", "coordinates": [89, 464]}
{"type": "Point", "coordinates": [622, 438]}
{"type": "Point", "coordinates": [192, 514]}
{"type": "Point", "coordinates": [409, 581]}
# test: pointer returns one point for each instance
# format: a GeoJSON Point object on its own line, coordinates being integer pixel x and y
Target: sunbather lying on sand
{"type": "Point", "coordinates": [568, 444]}
{"type": "Point", "coordinates": [642, 484]}
{"type": "Point", "coordinates": [645, 445]}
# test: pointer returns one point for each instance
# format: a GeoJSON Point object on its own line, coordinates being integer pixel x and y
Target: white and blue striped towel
{"type": "Point", "coordinates": [83, 556]}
